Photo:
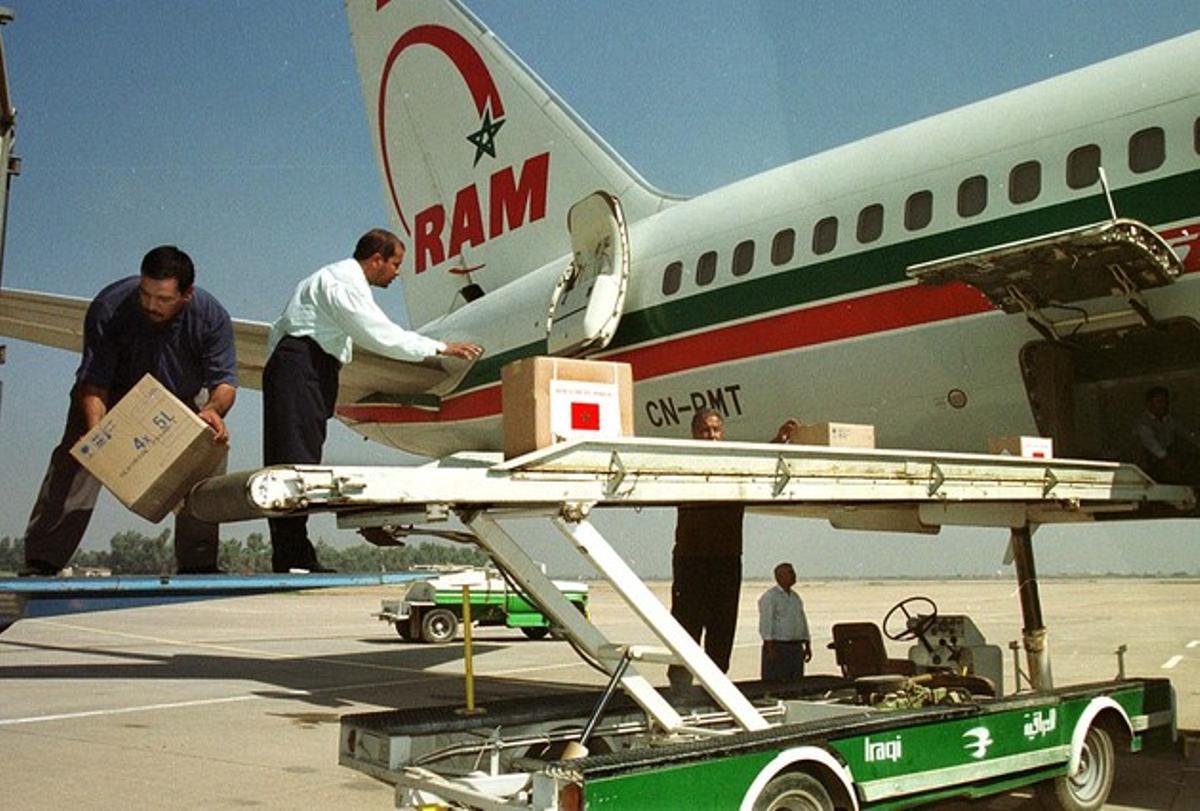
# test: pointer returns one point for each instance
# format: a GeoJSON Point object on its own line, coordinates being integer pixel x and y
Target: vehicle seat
{"type": "Point", "coordinates": [860, 652]}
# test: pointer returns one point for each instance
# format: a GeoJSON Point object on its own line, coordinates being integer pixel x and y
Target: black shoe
{"type": "Point", "coordinates": [200, 570]}
{"type": "Point", "coordinates": [39, 568]}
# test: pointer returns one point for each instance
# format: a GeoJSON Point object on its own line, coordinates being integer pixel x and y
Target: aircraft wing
{"type": "Point", "coordinates": [54, 320]}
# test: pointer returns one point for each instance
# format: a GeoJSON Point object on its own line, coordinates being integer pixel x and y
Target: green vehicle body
{"type": "Point", "coordinates": [898, 759]}
{"type": "Point", "coordinates": [431, 610]}
{"type": "Point", "coordinates": [864, 757]}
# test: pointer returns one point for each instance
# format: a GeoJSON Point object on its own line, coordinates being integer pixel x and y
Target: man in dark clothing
{"type": "Point", "coordinates": [157, 323]}
{"type": "Point", "coordinates": [706, 563]}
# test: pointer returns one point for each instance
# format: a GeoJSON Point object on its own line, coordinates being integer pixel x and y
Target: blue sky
{"type": "Point", "coordinates": [235, 129]}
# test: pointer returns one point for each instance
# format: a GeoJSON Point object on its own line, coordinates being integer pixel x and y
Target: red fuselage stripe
{"type": "Point", "coordinates": [852, 318]}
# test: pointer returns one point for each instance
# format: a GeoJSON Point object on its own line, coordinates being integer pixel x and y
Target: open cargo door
{"type": "Point", "coordinates": [1046, 277]}
{"type": "Point", "coordinates": [590, 294]}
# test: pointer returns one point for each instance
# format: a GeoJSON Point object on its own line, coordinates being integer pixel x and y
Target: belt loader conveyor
{"type": "Point", "coordinates": [875, 489]}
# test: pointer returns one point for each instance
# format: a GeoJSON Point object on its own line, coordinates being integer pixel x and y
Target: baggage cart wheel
{"type": "Point", "coordinates": [1088, 789]}
{"type": "Point", "coordinates": [794, 791]}
{"type": "Point", "coordinates": [439, 625]}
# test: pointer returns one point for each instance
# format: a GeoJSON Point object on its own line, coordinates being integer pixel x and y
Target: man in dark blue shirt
{"type": "Point", "coordinates": [158, 323]}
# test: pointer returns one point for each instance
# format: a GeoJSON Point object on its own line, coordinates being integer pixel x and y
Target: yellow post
{"type": "Point", "coordinates": [468, 664]}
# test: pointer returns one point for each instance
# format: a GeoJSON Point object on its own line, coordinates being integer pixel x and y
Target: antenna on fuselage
{"type": "Point", "coordinates": [1112, 209]}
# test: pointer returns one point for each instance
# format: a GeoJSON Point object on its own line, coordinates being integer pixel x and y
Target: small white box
{"type": "Point", "coordinates": [1031, 447]}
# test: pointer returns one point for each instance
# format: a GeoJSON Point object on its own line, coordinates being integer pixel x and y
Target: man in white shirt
{"type": "Point", "coordinates": [1168, 449]}
{"type": "Point", "coordinates": [783, 627]}
{"type": "Point", "coordinates": [329, 312]}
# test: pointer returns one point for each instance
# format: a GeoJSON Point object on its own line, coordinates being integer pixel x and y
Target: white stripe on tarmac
{"type": "Point", "coordinates": [201, 702]}
{"type": "Point", "coordinates": [1170, 663]}
{"type": "Point", "coordinates": [1193, 643]}
{"type": "Point", "coordinates": [419, 675]}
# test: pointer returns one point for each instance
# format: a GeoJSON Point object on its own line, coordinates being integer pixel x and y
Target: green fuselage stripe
{"type": "Point", "coordinates": [1154, 202]}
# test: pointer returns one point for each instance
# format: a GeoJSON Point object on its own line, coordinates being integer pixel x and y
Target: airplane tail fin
{"type": "Point", "coordinates": [480, 160]}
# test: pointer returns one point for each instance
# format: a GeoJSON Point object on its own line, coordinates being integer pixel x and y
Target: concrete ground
{"type": "Point", "coordinates": [235, 703]}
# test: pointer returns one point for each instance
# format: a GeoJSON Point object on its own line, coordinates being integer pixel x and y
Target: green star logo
{"type": "Point", "coordinates": [484, 138]}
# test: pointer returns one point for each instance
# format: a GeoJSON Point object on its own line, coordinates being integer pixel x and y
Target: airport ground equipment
{"type": "Point", "coordinates": [880, 741]}
{"type": "Point", "coordinates": [432, 609]}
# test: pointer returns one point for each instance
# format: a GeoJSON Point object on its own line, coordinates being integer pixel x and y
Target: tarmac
{"type": "Point", "coordinates": [235, 702]}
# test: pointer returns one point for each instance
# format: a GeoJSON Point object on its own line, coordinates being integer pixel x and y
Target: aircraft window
{"type": "Point", "coordinates": [783, 247]}
{"type": "Point", "coordinates": [825, 235]}
{"type": "Point", "coordinates": [1147, 150]}
{"type": "Point", "coordinates": [1083, 166]}
{"type": "Point", "coordinates": [672, 278]}
{"type": "Point", "coordinates": [918, 210]}
{"type": "Point", "coordinates": [1025, 182]}
{"type": "Point", "coordinates": [972, 196]}
{"type": "Point", "coordinates": [870, 223]}
{"type": "Point", "coordinates": [706, 268]}
{"type": "Point", "coordinates": [743, 258]}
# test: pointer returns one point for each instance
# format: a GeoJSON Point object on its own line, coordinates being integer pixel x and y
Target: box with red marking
{"type": "Point", "coordinates": [548, 400]}
{"type": "Point", "coordinates": [149, 450]}
{"type": "Point", "coordinates": [1032, 447]}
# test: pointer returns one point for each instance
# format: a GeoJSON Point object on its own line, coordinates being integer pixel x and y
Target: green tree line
{"type": "Point", "coordinates": [133, 552]}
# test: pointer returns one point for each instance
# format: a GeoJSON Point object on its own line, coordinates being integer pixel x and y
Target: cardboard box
{"type": "Point", "coordinates": [836, 435]}
{"type": "Point", "coordinates": [548, 400]}
{"type": "Point", "coordinates": [149, 450]}
{"type": "Point", "coordinates": [1033, 447]}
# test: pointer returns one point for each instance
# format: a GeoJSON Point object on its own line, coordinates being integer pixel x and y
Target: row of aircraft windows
{"type": "Point", "coordinates": [1146, 152]}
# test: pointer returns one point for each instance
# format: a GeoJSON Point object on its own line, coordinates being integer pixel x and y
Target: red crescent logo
{"type": "Point", "coordinates": [470, 66]}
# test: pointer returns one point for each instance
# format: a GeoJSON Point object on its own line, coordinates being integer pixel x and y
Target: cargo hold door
{"type": "Point", "coordinates": [1047, 277]}
{"type": "Point", "coordinates": [590, 295]}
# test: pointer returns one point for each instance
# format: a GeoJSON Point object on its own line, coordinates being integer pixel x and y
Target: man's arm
{"type": "Point", "coordinates": [1149, 441]}
{"type": "Point", "coordinates": [93, 403]}
{"type": "Point", "coordinates": [220, 400]}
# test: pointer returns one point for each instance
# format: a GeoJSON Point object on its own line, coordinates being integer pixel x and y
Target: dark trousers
{"type": "Point", "coordinates": [300, 384]}
{"type": "Point", "coordinates": [704, 599]}
{"type": "Point", "coordinates": [65, 503]}
{"type": "Point", "coordinates": [786, 665]}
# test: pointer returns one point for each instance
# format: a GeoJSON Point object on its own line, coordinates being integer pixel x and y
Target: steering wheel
{"type": "Point", "coordinates": [915, 623]}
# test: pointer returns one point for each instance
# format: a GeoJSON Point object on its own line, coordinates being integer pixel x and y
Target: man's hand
{"type": "Point", "coordinates": [786, 431]}
{"type": "Point", "coordinates": [213, 420]}
{"type": "Point", "coordinates": [807, 645]}
{"type": "Point", "coordinates": [213, 412]}
{"type": "Point", "coordinates": [462, 350]}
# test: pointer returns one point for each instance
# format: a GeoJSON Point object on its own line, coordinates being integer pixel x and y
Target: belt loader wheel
{"type": "Point", "coordinates": [794, 791]}
{"type": "Point", "coordinates": [439, 625]}
{"type": "Point", "coordinates": [1088, 789]}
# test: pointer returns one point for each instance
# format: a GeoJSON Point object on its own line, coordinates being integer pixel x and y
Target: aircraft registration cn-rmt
{"type": "Point", "coordinates": [1022, 265]}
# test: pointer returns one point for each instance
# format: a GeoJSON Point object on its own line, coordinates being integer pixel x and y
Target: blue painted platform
{"type": "Point", "coordinates": [31, 597]}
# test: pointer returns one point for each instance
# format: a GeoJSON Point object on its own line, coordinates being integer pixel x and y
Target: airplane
{"type": "Point", "coordinates": [1022, 265]}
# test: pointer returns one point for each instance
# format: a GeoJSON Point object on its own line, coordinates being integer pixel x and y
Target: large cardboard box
{"type": "Point", "coordinates": [149, 450]}
{"type": "Point", "coordinates": [836, 435]}
{"type": "Point", "coordinates": [548, 400]}
{"type": "Point", "coordinates": [1033, 447]}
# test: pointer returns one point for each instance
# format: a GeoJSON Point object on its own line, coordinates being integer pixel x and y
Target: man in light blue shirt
{"type": "Point", "coordinates": [329, 312]}
{"type": "Point", "coordinates": [787, 645]}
